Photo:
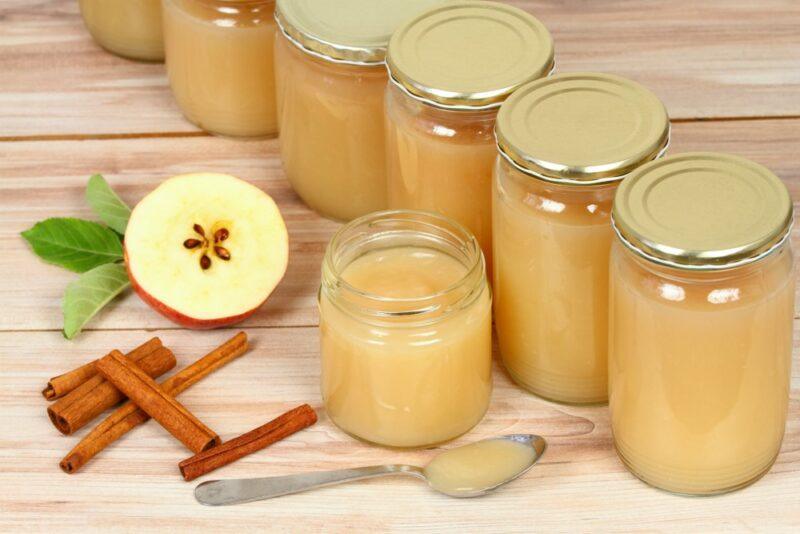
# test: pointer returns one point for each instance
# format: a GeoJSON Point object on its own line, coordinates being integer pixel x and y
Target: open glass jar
{"type": "Point", "coordinates": [451, 68]}
{"type": "Point", "coordinates": [406, 329]}
{"type": "Point", "coordinates": [564, 142]}
{"type": "Point", "coordinates": [701, 317]}
{"type": "Point", "coordinates": [331, 82]}
{"type": "Point", "coordinates": [221, 66]}
{"type": "Point", "coordinates": [128, 28]}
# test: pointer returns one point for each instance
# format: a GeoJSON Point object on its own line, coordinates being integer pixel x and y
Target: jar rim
{"type": "Point", "coordinates": [235, 2]}
{"type": "Point", "coordinates": [319, 55]}
{"type": "Point", "coordinates": [456, 107]}
{"type": "Point", "coordinates": [577, 182]}
{"type": "Point", "coordinates": [417, 306]}
{"type": "Point", "coordinates": [703, 267]}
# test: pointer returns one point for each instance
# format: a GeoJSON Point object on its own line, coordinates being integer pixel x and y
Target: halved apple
{"type": "Point", "coordinates": [206, 250]}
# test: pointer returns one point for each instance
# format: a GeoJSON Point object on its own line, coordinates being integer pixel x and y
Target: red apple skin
{"type": "Point", "coordinates": [176, 316]}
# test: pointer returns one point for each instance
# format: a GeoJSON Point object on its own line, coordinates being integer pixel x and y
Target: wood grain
{"type": "Point", "coordinates": [43, 179]}
{"type": "Point", "coordinates": [579, 485]}
{"type": "Point", "coordinates": [57, 81]}
{"type": "Point", "coordinates": [717, 58]}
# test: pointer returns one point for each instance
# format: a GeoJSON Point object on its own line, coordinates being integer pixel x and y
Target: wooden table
{"type": "Point", "coordinates": [729, 72]}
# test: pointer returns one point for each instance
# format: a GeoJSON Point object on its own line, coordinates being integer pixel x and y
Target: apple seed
{"type": "Point", "coordinates": [222, 253]}
{"type": "Point", "coordinates": [221, 235]}
{"type": "Point", "coordinates": [205, 262]}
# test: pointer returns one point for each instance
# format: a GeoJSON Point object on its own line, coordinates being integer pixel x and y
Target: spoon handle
{"type": "Point", "coordinates": [236, 491]}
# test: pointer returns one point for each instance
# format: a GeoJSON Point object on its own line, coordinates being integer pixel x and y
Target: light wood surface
{"type": "Point", "coordinates": [709, 59]}
{"type": "Point", "coordinates": [68, 110]}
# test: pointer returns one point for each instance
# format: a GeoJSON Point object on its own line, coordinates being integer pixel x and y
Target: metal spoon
{"type": "Point", "coordinates": [236, 491]}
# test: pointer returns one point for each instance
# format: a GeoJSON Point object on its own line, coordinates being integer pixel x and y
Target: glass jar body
{"type": "Point", "coordinates": [441, 160]}
{"type": "Point", "coordinates": [331, 122]}
{"type": "Point", "coordinates": [401, 378]}
{"type": "Point", "coordinates": [551, 249]}
{"type": "Point", "coordinates": [128, 28]}
{"type": "Point", "coordinates": [699, 370]}
{"type": "Point", "coordinates": [221, 65]}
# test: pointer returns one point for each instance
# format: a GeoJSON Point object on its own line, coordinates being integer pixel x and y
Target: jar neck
{"type": "Point", "coordinates": [230, 13]}
{"type": "Point", "coordinates": [419, 107]}
{"type": "Point", "coordinates": [772, 260]}
{"type": "Point", "coordinates": [515, 180]}
{"type": "Point", "coordinates": [298, 51]}
{"type": "Point", "coordinates": [456, 125]}
{"type": "Point", "coordinates": [236, 4]}
{"type": "Point", "coordinates": [395, 229]}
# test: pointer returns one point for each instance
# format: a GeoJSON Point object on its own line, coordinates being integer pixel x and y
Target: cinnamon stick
{"type": "Point", "coordinates": [129, 415]}
{"type": "Point", "coordinates": [255, 440]}
{"type": "Point", "coordinates": [60, 385]}
{"type": "Point", "coordinates": [96, 395]}
{"type": "Point", "coordinates": [146, 393]}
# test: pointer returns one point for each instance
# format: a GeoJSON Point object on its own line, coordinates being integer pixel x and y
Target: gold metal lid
{"type": "Point", "coordinates": [702, 211]}
{"type": "Point", "coordinates": [581, 128]}
{"type": "Point", "coordinates": [469, 55]}
{"type": "Point", "coordinates": [345, 31]}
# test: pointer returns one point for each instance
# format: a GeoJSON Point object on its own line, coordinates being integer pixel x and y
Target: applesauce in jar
{"type": "Point", "coordinates": [128, 28]}
{"type": "Point", "coordinates": [701, 315]}
{"type": "Point", "coordinates": [406, 329]}
{"type": "Point", "coordinates": [451, 68]}
{"type": "Point", "coordinates": [564, 144]}
{"type": "Point", "coordinates": [221, 66]}
{"type": "Point", "coordinates": [331, 81]}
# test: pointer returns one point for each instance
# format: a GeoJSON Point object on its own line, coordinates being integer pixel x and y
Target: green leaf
{"type": "Point", "coordinates": [88, 294]}
{"type": "Point", "coordinates": [74, 244]}
{"type": "Point", "coordinates": [106, 204]}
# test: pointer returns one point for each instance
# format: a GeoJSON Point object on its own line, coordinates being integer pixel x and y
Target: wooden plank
{"type": "Point", "coordinates": [56, 80]}
{"type": "Point", "coordinates": [44, 179]}
{"type": "Point", "coordinates": [716, 58]}
{"type": "Point", "coordinates": [580, 485]}
{"type": "Point", "coordinates": [719, 58]}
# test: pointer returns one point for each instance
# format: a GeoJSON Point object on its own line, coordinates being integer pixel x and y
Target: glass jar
{"type": "Point", "coordinates": [565, 143]}
{"type": "Point", "coordinates": [451, 68]}
{"type": "Point", "coordinates": [221, 66]}
{"type": "Point", "coordinates": [553, 244]}
{"type": "Point", "coordinates": [702, 307]}
{"type": "Point", "coordinates": [406, 329]}
{"type": "Point", "coordinates": [128, 28]}
{"type": "Point", "coordinates": [331, 82]}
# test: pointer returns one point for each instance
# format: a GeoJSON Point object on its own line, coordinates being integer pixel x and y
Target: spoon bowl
{"type": "Point", "coordinates": [479, 468]}
{"type": "Point", "coordinates": [468, 471]}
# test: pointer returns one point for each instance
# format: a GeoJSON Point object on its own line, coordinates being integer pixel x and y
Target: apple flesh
{"type": "Point", "coordinates": [206, 250]}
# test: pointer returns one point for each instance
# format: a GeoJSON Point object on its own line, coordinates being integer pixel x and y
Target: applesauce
{"type": "Point", "coordinates": [480, 465]}
{"type": "Point", "coordinates": [128, 28]}
{"type": "Point", "coordinates": [331, 80]}
{"type": "Point", "coordinates": [221, 66]}
{"type": "Point", "coordinates": [451, 68]}
{"type": "Point", "coordinates": [701, 313]}
{"type": "Point", "coordinates": [565, 142]}
{"type": "Point", "coordinates": [405, 329]}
